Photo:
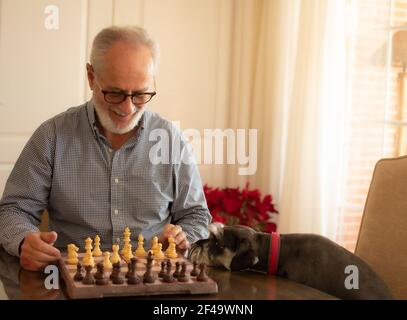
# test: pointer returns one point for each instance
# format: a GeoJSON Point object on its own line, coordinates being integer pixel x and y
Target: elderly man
{"type": "Point", "coordinates": [91, 166]}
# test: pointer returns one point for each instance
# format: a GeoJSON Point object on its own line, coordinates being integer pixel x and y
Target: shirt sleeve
{"type": "Point", "coordinates": [189, 208]}
{"type": "Point", "coordinates": [27, 189]}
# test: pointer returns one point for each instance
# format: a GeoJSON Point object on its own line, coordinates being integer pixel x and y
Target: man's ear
{"type": "Point", "coordinates": [91, 75]}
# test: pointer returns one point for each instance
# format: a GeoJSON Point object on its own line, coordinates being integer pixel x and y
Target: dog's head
{"type": "Point", "coordinates": [232, 247]}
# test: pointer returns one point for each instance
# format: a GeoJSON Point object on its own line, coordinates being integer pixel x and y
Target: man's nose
{"type": "Point", "coordinates": [127, 105]}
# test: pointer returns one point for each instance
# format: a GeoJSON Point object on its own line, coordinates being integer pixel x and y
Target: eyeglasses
{"type": "Point", "coordinates": [138, 98]}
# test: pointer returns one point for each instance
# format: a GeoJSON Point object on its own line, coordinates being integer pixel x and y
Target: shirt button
{"type": "Point", "coordinates": [116, 180]}
{"type": "Point", "coordinates": [116, 211]}
{"type": "Point", "coordinates": [110, 150]}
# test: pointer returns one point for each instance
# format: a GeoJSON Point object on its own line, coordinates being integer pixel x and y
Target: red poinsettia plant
{"type": "Point", "coordinates": [247, 207]}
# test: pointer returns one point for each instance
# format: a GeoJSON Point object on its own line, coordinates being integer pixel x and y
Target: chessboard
{"type": "Point", "coordinates": [79, 290]}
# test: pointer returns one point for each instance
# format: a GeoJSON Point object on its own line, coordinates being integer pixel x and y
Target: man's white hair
{"type": "Point", "coordinates": [133, 35]}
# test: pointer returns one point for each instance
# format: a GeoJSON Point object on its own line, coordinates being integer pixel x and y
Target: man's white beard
{"type": "Point", "coordinates": [109, 125]}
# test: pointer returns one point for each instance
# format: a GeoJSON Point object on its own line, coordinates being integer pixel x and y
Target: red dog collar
{"type": "Point", "coordinates": [274, 252]}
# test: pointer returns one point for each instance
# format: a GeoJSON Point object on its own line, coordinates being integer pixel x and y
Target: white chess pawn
{"type": "Point", "coordinates": [96, 251]}
{"type": "Point", "coordinates": [106, 260]}
{"type": "Point", "coordinates": [115, 257]}
{"type": "Point", "coordinates": [140, 251]}
{"type": "Point", "coordinates": [171, 250]}
{"type": "Point", "coordinates": [129, 253]}
{"type": "Point", "coordinates": [154, 244]}
{"type": "Point", "coordinates": [159, 254]}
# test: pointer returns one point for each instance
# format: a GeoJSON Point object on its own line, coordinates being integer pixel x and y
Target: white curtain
{"type": "Point", "coordinates": [288, 81]}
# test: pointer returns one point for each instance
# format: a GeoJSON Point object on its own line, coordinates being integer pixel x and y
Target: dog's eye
{"type": "Point", "coordinates": [219, 245]}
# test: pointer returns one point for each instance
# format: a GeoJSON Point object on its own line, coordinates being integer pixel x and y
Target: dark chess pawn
{"type": "Point", "coordinates": [100, 271]}
{"type": "Point", "coordinates": [168, 276]}
{"type": "Point", "coordinates": [131, 266]}
{"type": "Point", "coordinates": [101, 280]}
{"type": "Point", "coordinates": [177, 269]}
{"type": "Point", "coordinates": [148, 276]}
{"type": "Point", "coordinates": [129, 269]}
{"type": "Point", "coordinates": [78, 275]}
{"type": "Point", "coordinates": [115, 267]}
{"type": "Point", "coordinates": [194, 271]}
{"type": "Point", "coordinates": [169, 264]}
{"type": "Point", "coordinates": [89, 278]}
{"type": "Point", "coordinates": [202, 275]}
{"type": "Point", "coordinates": [183, 276]}
{"type": "Point", "coordinates": [162, 271]}
{"type": "Point", "coordinates": [133, 278]}
{"type": "Point", "coordinates": [117, 277]}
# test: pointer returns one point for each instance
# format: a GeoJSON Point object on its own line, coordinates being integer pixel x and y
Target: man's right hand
{"type": "Point", "coordinates": [37, 250]}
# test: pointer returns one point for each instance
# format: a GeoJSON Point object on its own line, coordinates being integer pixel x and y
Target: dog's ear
{"type": "Point", "coordinates": [245, 257]}
{"type": "Point", "coordinates": [216, 228]}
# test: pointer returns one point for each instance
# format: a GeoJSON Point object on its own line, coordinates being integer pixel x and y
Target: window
{"type": "Point", "coordinates": [376, 110]}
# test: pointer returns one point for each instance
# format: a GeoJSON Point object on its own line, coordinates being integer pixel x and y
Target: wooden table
{"type": "Point", "coordinates": [16, 283]}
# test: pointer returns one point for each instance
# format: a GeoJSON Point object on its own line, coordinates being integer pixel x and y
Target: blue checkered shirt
{"type": "Point", "coordinates": [69, 168]}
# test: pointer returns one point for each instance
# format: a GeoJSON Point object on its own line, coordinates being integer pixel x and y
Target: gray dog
{"type": "Point", "coordinates": [309, 259]}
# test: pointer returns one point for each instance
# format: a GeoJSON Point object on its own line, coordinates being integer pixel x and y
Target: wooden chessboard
{"type": "Point", "coordinates": [78, 290]}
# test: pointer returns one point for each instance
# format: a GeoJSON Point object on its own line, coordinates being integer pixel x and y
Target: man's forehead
{"type": "Point", "coordinates": [126, 65]}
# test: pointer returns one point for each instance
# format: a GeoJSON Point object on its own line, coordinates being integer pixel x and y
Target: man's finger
{"type": "Point", "coordinates": [40, 256]}
{"type": "Point", "coordinates": [184, 245]}
{"type": "Point", "coordinates": [39, 245]}
{"type": "Point", "coordinates": [49, 237]}
{"type": "Point", "coordinates": [180, 237]}
{"type": "Point", "coordinates": [174, 231]}
{"type": "Point", "coordinates": [31, 265]}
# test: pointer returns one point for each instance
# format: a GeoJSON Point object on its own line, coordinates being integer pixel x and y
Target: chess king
{"type": "Point", "coordinates": [121, 75]}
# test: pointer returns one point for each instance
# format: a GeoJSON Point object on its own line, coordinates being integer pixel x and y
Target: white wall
{"type": "Point", "coordinates": [42, 72]}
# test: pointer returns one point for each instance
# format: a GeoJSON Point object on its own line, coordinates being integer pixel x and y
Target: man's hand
{"type": "Point", "coordinates": [175, 231]}
{"type": "Point", "coordinates": [37, 250]}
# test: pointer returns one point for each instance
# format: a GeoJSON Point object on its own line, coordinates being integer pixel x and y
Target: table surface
{"type": "Point", "coordinates": [16, 283]}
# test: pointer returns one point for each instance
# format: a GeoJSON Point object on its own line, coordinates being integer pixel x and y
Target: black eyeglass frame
{"type": "Point", "coordinates": [132, 95]}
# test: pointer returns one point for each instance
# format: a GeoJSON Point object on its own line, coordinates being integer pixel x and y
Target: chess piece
{"type": "Point", "coordinates": [148, 276]}
{"type": "Point", "coordinates": [106, 260]}
{"type": "Point", "coordinates": [115, 256]}
{"type": "Point", "coordinates": [88, 244]}
{"type": "Point", "coordinates": [162, 271]}
{"type": "Point", "coordinates": [171, 250]}
{"type": "Point", "coordinates": [140, 252]}
{"type": "Point", "coordinates": [129, 270]}
{"type": "Point", "coordinates": [133, 277]}
{"type": "Point", "coordinates": [116, 277]}
{"type": "Point", "coordinates": [128, 253]}
{"type": "Point", "coordinates": [127, 242]}
{"type": "Point", "coordinates": [99, 271]}
{"type": "Point", "coordinates": [168, 276]}
{"type": "Point", "coordinates": [154, 244]}
{"type": "Point", "coordinates": [202, 274]}
{"type": "Point", "coordinates": [96, 251]}
{"type": "Point", "coordinates": [177, 269]}
{"type": "Point", "coordinates": [159, 254]}
{"type": "Point", "coordinates": [101, 280]}
{"type": "Point", "coordinates": [194, 271]}
{"type": "Point", "coordinates": [89, 278]}
{"type": "Point", "coordinates": [88, 258]}
{"type": "Point", "coordinates": [72, 254]}
{"type": "Point", "coordinates": [78, 275]}
{"type": "Point", "coordinates": [183, 276]}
